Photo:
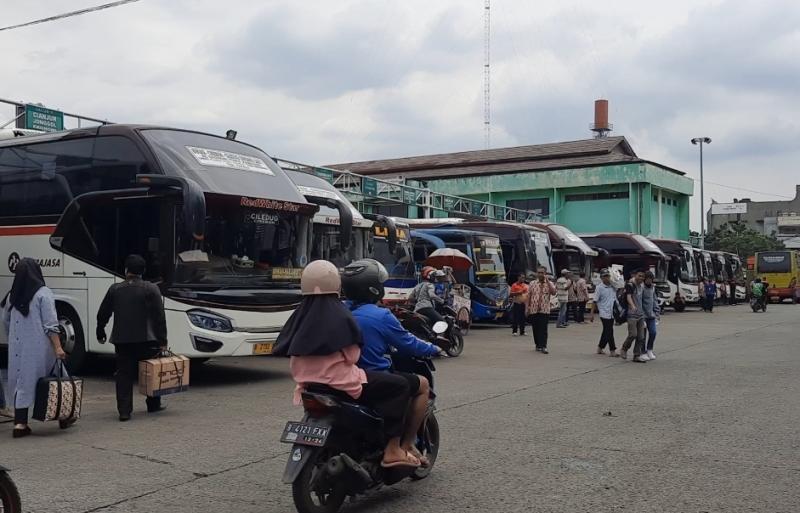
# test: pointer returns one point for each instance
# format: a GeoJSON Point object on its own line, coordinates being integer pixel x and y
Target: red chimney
{"type": "Point", "coordinates": [601, 126]}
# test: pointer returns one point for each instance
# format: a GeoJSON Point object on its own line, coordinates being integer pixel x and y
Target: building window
{"type": "Point", "coordinates": [539, 205]}
{"type": "Point", "coordinates": [655, 198]}
{"type": "Point", "coordinates": [597, 196]}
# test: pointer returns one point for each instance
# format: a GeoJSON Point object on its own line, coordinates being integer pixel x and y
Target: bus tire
{"type": "Point", "coordinates": [72, 339]}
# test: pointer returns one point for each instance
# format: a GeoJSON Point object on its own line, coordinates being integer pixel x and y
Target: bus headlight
{"type": "Point", "coordinates": [209, 321]}
{"type": "Point", "coordinates": [686, 292]}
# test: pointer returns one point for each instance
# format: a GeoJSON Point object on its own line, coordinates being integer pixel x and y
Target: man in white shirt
{"type": "Point", "coordinates": [605, 297]}
{"type": "Point", "coordinates": [563, 286]}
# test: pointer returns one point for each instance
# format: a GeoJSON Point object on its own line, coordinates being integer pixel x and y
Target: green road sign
{"type": "Point", "coordinates": [476, 209]}
{"type": "Point", "coordinates": [409, 196]}
{"type": "Point", "coordinates": [40, 118]}
{"type": "Point", "coordinates": [369, 187]}
{"type": "Point", "coordinates": [449, 203]}
{"type": "Point", "coordinates": [325, 174]}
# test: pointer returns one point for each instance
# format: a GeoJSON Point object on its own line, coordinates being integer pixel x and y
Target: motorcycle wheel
{"type": "Point", "coordinates": [308, 500]}
{"type": "Point", "coordinates": [428, 445]}
{"type": "Point", "coordinates": [456, 342]}
{"type": "Point", "coordinates": [464, 320]}
{"type": "Point", "coordinates": [9, 496]}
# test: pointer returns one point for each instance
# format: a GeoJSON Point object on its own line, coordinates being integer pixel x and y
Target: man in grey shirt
{"type": "Point", "coordinates": [605, 297]}
{"type": "Point", "coordinates": [633, 295]}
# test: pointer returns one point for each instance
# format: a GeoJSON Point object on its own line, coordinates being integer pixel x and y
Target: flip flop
{"type": "Point", "coordinates": [423, 460]}
{"type": "Point", "coordinates": [410, 462]}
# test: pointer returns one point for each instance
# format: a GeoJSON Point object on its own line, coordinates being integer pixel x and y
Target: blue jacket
{"type": "Point", "coordinates": [381, 330]}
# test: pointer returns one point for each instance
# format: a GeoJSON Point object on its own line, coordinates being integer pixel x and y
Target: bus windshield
{"type": "Point", "coordinates": [688, 269]}
{"type": "Point", "coordinates": [327, 245]}
{"type": "Point", "coordinates": [399, 264]}
{"type": "Point", "coordinates": [774, 262]}
{"type": "Point", "coordinates": [490, 269]}
{"type": "Point", "coordinates": [541, 244]}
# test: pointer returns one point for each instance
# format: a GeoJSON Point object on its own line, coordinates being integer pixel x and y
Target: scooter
{"type": "Point", "coordinates": [451, 339]}
{"type": "Point", "coordinates": [337, 448]}
{"type": "Point", "coordinates": [9, 495]}
{"type": "Point", "coordinates": [758, 303]}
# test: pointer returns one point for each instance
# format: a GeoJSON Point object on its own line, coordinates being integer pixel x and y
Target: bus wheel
{"type": "Point", "coordinates": [464, 319]}
{"type": "Point", "coordinates": [71, 335]}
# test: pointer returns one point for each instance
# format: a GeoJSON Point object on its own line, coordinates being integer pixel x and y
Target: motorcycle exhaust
{"type": "Point", "coordinates": [357, 469]}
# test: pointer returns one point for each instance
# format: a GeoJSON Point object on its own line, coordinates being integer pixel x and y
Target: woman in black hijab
{"type": "Point", "coordinates": [31, 325]}
{"type": "Point", "coordinates": [324, 343]}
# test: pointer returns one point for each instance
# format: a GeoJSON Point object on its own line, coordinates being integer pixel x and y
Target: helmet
{"type": "Point", "coordinates": [438, 275]}
{"type": "Point", "coordinates": [320, 277]}
{"type": "Point", "coordinates": [427, 271]}
{"type": "Point", "coordinates": [362, 281]}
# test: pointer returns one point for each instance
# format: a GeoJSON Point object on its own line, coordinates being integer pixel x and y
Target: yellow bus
{"type": "Point", "coordinates": [781, 269]}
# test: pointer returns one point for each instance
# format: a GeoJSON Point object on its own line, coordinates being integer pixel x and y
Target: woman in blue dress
{"type": "Point", "coordinates": [31, 326]}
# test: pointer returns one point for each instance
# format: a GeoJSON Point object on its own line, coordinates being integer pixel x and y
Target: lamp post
{"type": "Point", "coordinates": [700, 141]}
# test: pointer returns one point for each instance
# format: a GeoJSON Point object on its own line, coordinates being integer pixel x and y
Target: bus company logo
{"type": "Point", "coordinates": [286, 206]}
{"type": "Point", "coordinates": [14, 258]}
{"type": "Point", "coordinates": [774, 259]}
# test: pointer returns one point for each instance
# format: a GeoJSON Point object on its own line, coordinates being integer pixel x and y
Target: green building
{"type": "Point", "coordinates": [590, 185]}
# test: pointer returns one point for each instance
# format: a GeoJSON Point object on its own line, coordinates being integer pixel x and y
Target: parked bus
{"type": "Point", "coordinates": [398, 261]}
{"type": "Point", "coordinates": [781, 269]}
{"type": "Point", "coordinates": [571, 252]}
{"type": "Point", "coordinates": [682, 274]}
{"type": "Point", "coordinates": [735, 271]}
{"type": "Point", "coordinates": [633, 252]}
{"type": "Point", "coordinates": [224, 231]}
{"type": "Point", "coordinates": [489, 290]}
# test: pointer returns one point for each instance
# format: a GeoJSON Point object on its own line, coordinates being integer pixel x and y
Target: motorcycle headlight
{"type": "Point", "coordinates": [209, 321]}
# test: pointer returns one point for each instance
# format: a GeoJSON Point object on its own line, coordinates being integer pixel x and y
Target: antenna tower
{"type": "Point", "coordinates": [487, 105]}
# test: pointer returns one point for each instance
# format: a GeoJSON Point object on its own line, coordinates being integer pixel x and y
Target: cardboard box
{"type": "Point", "coordinates": [163, 376]}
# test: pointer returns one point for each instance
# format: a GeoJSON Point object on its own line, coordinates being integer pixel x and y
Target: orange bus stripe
{"type": "Point", "coordinates": [6, 231]}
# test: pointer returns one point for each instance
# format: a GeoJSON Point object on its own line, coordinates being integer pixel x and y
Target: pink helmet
{"type": "Point", "coordinates": [320, 277]}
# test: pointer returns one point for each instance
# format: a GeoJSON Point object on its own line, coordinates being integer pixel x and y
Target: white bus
{"type": "Point", "coordinates": [224, 231]}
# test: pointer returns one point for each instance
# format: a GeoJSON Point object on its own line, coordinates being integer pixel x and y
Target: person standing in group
{"type": "Point", "coordinates": [732, 292]}
{"type": "Point", "coordinates": [710, 294]}
{"type": "Point", "coordinates": [31, 326]}
{"type": "Point", "coordinates": [701, 291]}
{"type": "Point", "coordinates": [538, 308]}
{"type": "Point", "coordinates": [582, 295]}
{"type": "Point", "coordinates": [651, 313]}
{"type": "Point", "coordinates": [139, 333]}
{"type": "Point", "coordinates": [633, 296]}
{"type": "Point", "coordinates": [519, 294]}
{"type": "Point", "coordinates": [572, 299]}
{"type": "Point", "coordinates": [563, 285]}
{"type": "Point", "coordinates": [605, 297]}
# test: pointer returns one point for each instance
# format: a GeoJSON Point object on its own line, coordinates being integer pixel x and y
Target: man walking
{"type": "Point", "coordinates": [633, 296]}
{"type": "Point", "coordinates": [139, 333]}
{"type": "Point", "coordinates": [582, 295]}
{"type": "Point", "coordinates": [605, 297]}
{"type": "Point", "coordinates": [563, 285]}
{"type": "Point", "coordinates": [519, 294]}
{"type": "Point", "coordinates": [651, 312]}
{"type": "Point", "coordinates": [710, 291]}
{"type": "Point", "coordinates": [538, 307]}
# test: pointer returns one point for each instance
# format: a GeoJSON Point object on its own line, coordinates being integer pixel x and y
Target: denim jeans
{"type": "Point", "coordinates": [652, 331]}
{"type": "Point", "coordinates": [562, 313]}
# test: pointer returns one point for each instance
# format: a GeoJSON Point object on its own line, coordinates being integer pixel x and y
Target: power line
{"type": "Point", "coordinates": [69, 14]}
{"type": "Point", "coordinates": [745, 190]}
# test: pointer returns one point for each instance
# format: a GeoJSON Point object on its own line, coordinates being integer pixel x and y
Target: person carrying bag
{"type": "Point", "coordinates": [58, 397]}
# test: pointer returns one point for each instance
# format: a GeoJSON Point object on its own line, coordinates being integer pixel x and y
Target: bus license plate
{"type": "Point", "coordinates": [263, 348]}
{"type": "Point", "coordinates": [305, 434]}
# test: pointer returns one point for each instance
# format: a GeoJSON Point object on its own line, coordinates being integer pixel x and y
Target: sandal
{"type": "Point", "coordinates": [411, 461]}
{"type": "Point", "coordinates": [423, 460]}
{"type": "Point", "coordinates": [21, 432]}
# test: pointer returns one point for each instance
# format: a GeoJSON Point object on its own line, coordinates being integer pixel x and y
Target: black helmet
{"type": "Point", "coordinates": [362, 281]}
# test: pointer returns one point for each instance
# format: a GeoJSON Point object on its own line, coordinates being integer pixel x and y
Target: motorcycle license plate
{"type": "Point", "coordinates": [305, 434]}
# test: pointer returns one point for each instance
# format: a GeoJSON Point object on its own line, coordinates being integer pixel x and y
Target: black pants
{"type": "Point", "coordinates": [539, 324]}
{"type": "Point", "coordinates": [581, 312]}
{"type": "Point", "coordinates": [518, 318]}
{"type": "Point", "coordinates": [572, 309]}
{"type": "Point", "coordinates": [431, 314]}
{"type": "Point", "coordinates": [607, 337]}
{"type": "Point", "coordinates": [128, 357]}
{"type": "Point", "coordinates": [387, 394]}
{"type": "Point", "coordinates": [709, 306]}
{"type": "Point", "coordinates": [20, 415]}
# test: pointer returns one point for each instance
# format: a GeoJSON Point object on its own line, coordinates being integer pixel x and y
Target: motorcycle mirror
{"type": "Point", "coordinates": [440, 327]}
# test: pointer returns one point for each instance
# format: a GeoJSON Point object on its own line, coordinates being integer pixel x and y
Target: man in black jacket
{"type": "Point", "coordinates": [139, 333]}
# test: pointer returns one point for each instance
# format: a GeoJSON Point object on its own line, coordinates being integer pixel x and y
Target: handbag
{"type": "Point", "coordinates": [58, 396]}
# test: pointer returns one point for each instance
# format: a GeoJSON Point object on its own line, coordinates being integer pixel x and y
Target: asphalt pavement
{"type": "Point", "coordinates": [710, 426]}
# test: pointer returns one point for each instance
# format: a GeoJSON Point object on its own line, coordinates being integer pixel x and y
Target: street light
{"type": "Point", "coordinates": [701, 141]}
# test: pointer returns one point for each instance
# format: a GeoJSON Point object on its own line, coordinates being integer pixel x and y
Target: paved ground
{"type": "Point", "coordinates": [710, 426]}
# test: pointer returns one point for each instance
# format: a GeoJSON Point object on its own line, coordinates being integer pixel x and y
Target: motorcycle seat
{"type": "Point", "coordinates": [321, 388]}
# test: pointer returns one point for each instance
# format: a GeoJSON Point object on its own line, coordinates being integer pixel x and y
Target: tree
{"type": "Point", "coordinates": [736, 237]}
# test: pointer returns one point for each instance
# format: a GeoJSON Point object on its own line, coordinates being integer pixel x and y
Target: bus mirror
{"type": "Point", "coordinates": [391, 230]}
{"type": "Point", "coordinates": [194, 201]}
{"type": "Point", "coordinates": [345, 217]}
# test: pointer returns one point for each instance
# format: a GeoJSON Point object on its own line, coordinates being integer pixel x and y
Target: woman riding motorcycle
{"type": "Point", "coordinates": [362, 285]}
{"type": "Point", "coordinates": [324, 343]}
{"type": "Point", "coordinates": [425, 295]}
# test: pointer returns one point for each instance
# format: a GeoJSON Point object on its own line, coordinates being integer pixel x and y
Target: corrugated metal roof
{"type": "Point", "coordinates": [537, 157]}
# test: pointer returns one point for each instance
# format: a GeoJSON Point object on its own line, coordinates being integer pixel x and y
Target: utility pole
{"type": "Point", "coordinates": [487, 106]}
{"type": "Point", "coordinates": [700, 141]}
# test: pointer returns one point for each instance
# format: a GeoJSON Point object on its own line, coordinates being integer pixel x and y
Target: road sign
{"type": "Point", "coordinates": [41, 118]}
{"type": "Point", "coordinates": [728, 208]}
{"type": "Point", "coordinates": [369, 187]}
{"type": "Point", "coordinates": [409, 196]}
{"type": "Point", "coordinates": [325, 174]}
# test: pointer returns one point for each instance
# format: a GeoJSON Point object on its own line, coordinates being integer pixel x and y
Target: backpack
{"type": "Point", "coordinates": [621, 307]}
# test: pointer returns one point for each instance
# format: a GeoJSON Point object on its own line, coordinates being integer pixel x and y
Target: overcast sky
{"type": "Point", "coordinates": [323, 81]}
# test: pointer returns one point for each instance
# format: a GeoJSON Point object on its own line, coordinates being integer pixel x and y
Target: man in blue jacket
{"type": "Point", "coordinates": [362, 284]}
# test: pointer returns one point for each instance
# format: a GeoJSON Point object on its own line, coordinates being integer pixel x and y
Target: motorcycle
{"type": "Point", "coordinates": [338, 446]}
{"type": "Point", "coordinates": [758, 303]}
{"type": "Point", "coordinates": [9, 495]}
{"type": "Point", "coordinates": [451, 339]}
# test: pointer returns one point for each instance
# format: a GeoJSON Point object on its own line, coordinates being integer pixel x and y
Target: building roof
{"type": "Point", "coordinates": [536, 157]}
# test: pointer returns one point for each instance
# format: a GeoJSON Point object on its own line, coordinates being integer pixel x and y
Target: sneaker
{"type": "Point", "coordinates": [642, 357]}
{"type": "Point", "coordinates": [639, 359]}
{"type": "Point", "coordinates": [545, 351]}
{"type": "Point", "coordinates": [538, 349]}
{"type": "Point", "coordinates": [613, 354]}
{"type": "Point", "coordinates": [513, 334]}
{"type": "Point", "coordinates": [651, 355]}
{"type": "Point", "coordinates": [600, 351]}
{"type": "Point", "coordinates": [623, 354]}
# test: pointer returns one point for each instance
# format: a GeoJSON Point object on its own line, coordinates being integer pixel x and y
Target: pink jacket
{"type": "Point", "coordinates": [337, 370]}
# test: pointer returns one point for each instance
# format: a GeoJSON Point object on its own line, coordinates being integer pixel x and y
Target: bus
{"type": "Point", "coordinates": [398, 259]}
{"type": "Point", "coordinates": [633, 252]}
{"type": "Point", "coordinates": [781, 269]}
{"type": "Point", "coordinates": [224, 231]}
{"type": "Point", "coordinates": [571, 252]}
{"type": "Point", "coordinates": [736, 274]}
{"type": "Point", "coordinates": [682, 274]}
{"type": "Point", "coordinates": [489, 290]}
